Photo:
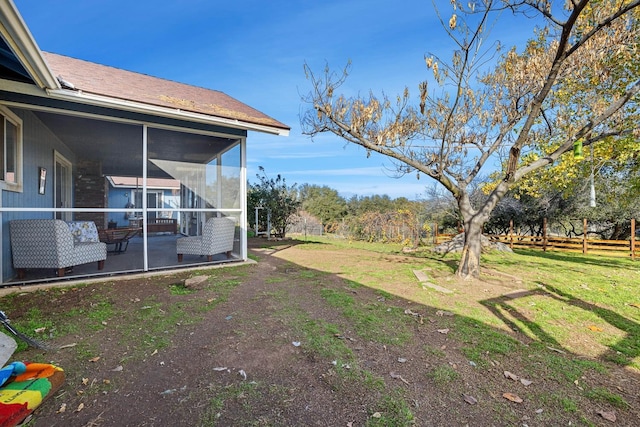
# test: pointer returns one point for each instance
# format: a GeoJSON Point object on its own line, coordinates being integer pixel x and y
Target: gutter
{"type": "Point", "coordinates": [138, 107]}
{"type": "Point", "coordinates": [19, 38]}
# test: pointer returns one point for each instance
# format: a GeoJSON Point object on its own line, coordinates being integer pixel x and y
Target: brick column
{"type": "Point", "coordinates": [90, 191]}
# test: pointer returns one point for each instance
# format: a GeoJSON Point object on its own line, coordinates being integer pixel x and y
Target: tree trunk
{"type": "Point", "coordinates": [469, 266]}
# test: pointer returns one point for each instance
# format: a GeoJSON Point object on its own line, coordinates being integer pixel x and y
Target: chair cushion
{"type": "Point", "coordinates": [84, 231]}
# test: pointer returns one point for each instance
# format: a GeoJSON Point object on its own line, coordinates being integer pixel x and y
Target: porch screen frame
{"type": "Point", "coordinates": [238, 213]}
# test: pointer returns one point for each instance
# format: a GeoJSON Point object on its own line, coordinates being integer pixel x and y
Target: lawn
{"type": "Point", "coordinates": [332, 332]}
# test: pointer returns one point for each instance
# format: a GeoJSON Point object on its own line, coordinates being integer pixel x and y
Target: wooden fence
{"type": "Point", "coordinates": [585, 245]}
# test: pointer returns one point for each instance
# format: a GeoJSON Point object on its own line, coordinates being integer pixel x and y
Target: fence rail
{"type": "Point", "coordinates": [585, 245]}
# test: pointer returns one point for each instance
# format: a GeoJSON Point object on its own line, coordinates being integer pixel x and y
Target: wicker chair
{"type": "Point", "coordinates": [217, 237]}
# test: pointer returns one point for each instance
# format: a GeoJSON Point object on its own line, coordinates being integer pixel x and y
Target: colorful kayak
{"type": "Point", "coordinates": [24, 392]}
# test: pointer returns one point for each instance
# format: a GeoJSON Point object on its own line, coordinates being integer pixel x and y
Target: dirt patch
{"type": "Point", "coordinates": [243, 350]}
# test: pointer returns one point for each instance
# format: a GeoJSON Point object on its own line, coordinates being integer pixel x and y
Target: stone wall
{"type": "Point", "coordinates": [90, 191]}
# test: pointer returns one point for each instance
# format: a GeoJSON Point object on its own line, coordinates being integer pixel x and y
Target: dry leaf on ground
{"type": "Point", "coordinates": [512, 397]}
{"type": "Point", "coordinates": [470, 399]}
{"type": "Point", "coordinates": [610, 416]}
{"type": "Point", "coordinates": [511, 376]}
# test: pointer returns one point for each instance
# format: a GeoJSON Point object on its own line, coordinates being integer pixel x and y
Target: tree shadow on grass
{"type": "Point", "coordinates": [628, 347]}
{"type": "Point", "coordinates": [600, 261]}
{"type": "Point", "coordinates": [277, 244]}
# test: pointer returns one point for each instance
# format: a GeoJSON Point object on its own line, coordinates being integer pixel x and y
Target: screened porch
{"type": "Point", "coordinates": [69, 158]}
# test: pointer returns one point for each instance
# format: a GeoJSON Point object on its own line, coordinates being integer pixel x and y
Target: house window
{"type": "Point", "coordinates": [11, 150]}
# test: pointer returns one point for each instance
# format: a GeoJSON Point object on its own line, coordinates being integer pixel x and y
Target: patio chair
{"type": "Point", "coordinates": [217, 237]}
{"type": "Point", "coordinates": [49, 243]}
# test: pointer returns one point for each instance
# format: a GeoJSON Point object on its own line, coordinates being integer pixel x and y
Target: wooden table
{"type": "Point", "coordinates": [118, 236]}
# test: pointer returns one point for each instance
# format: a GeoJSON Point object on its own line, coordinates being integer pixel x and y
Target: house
{"type": "Point", "coordinates": [68, 125]}
{"type": "Point", "coordinates": [126, 191]}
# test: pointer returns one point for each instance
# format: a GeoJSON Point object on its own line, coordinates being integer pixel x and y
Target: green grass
{"type": "Point", "coordinates": [601, 394]}
{"type": "Point", "coordinates": [92, 316]}
{"type": "Point", "coordinates": [434, 351]}
{"type": "Point", "coordinates": [392, 410]}
{"type": "Point", "coordinates": [567, 404]}
{"type": "Point", "coordinates": [443, 374]}
{"type": "Point", "coordinates": [576, 303]}
{"type": "Point", "coordinates": [482, 343]}
{"type": "Point", "coordinates": [180, 289]}
{"type": "Point", "coordinates": [244, 392]}
{"type": "Point", "coordinates": [156, 325]}
{"type": "Point", "coordinates": [373, 321]}
{"type": "Point", "coordinates": [321, 338]}
{"type": "Point", "coordinates": [324, 341]}
{"type": "Point", "coordinates": [577, 314]}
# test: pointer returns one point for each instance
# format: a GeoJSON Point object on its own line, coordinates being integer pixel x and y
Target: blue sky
{"type": "Point", "coordinates": [254, 51]}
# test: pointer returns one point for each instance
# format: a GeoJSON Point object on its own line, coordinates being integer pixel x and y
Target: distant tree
{"type": "Point", "coordinates": [275, 197]}
{"type": "Point", "coordinates": [601, 187]}
{"type": "Point", "coordinates": [359, 205]}
{"type": "Point", "coordinates": [527, 213]}
{"type": "Point", "coordinates": [575, 82]}
{"type": "Point", "coordinates": [324, 203]}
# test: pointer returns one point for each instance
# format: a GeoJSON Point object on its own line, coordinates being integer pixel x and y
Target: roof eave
{"type": "Point", "coordinates": [104, 101]}
{"type": "Point", "coordinates": [17, 35]}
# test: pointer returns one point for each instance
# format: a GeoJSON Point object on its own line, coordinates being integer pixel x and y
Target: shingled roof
{"type": "Point", "coordinates": [91, 78]}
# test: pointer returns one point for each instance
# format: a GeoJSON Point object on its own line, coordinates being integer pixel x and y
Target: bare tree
{"type": "Point", "coordinates": [560, 90]}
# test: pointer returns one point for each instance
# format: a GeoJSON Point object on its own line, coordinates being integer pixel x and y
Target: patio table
{"type": "Point", "coordinates": [118, 236]}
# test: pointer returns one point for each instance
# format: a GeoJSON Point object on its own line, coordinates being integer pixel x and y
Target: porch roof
{"type": "Point", "coordinates": [86, 78]}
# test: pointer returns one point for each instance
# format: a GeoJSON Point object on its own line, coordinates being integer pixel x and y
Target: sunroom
{"type": "Point", "coordinates": [144, 163]}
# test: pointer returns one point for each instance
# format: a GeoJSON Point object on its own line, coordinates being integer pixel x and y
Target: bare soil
{"type": "Point", "coordinates": [237, 359]}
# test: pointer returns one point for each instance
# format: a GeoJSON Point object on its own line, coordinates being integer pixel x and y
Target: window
{"type": "Point", "coordinates": [11, 150]}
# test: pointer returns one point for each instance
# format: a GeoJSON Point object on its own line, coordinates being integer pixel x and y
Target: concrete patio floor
{"type": "Point", "coordinates": [162, 256]}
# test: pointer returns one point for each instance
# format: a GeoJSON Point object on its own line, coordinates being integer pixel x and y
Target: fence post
{"type": "Point", "coordinates": [584, 235]}
{"type": "Point", "coordinates": [544, 234]}
{"type": "Point", "coordinates": [511, 234]}
{"type": "Point", "coordinates": [633, 239]}
{"type": "Point", "coordinates": [435, 233]}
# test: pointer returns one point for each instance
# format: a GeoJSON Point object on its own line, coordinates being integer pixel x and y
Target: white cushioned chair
{"type": "Point", "coordinates": [49, 243]}
{"type": "Point", "coordinates": [217, 237]}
